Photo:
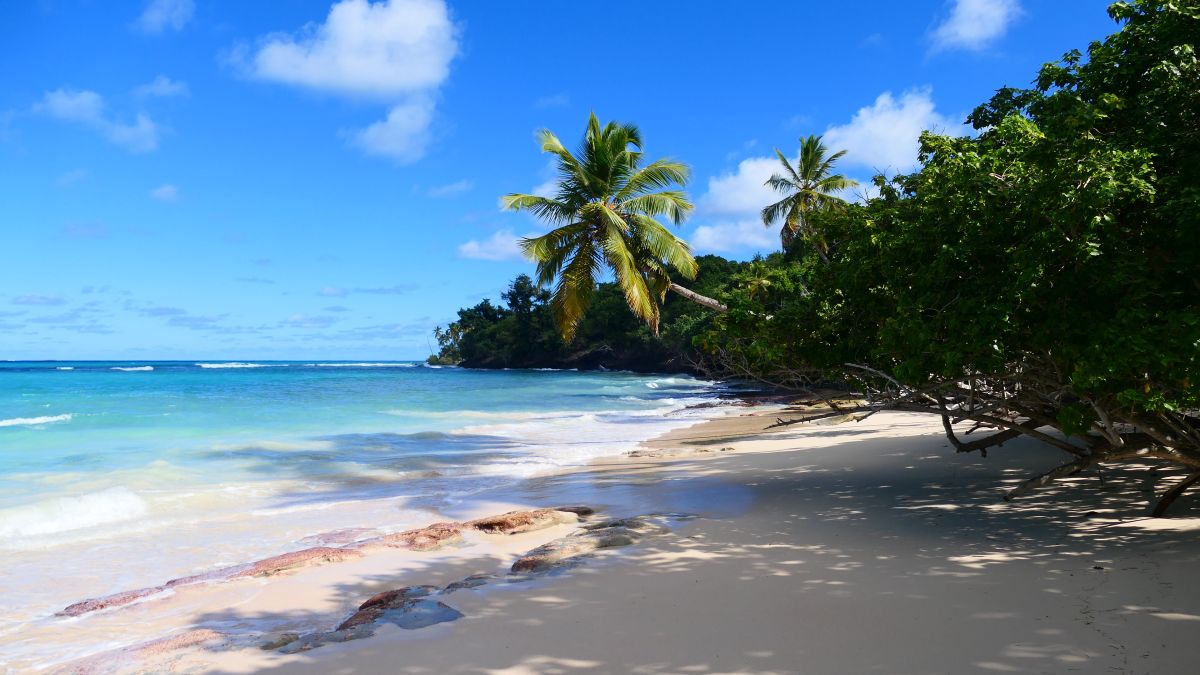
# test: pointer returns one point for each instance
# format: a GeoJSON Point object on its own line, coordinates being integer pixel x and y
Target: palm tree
{"type": "Point", "coordinates": [604, 212]}
{"type": "Point", "coordinates": [810, 187]}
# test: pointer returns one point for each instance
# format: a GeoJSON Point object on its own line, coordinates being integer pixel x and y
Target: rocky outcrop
{"type": "Point", "coordinates": [260, 568]}
{"type": "Point", "coordinates": [127, 657]}
{"type": "Point", "coordinates": [317, 555]}
{"type": "Point", "coordinates": [425, 539]}
{"type": "Point", "coordinates": [409, 608]}
{"type": "Point", "coordinates": [341, 537]}
{"type": "Point", "coordinates": [515, 522]}
{"type": "Point", "coordinates": [587, 540]}
{"type": "Point", "coordinates": [373, 609]}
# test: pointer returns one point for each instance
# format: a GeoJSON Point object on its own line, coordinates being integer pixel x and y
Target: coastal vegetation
{"type": "Point", "coordinates": [604, 213]}
{"type": "Point", "coordinates": [1036, 278]}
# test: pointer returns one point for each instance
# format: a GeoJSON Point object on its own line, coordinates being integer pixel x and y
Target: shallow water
{"type": "Point", "coordinates": [125, 474]}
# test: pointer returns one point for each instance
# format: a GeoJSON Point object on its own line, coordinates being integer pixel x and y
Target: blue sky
{"type": "Point", "coordinates": [193, 179]}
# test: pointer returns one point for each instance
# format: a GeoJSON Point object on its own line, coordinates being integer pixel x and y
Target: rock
{"type": "Point", "coordinates": [120, 659]}
{"type": "Point", "coordinates": [279, 641]}
{"type": "Point", "coordinates": [577, 510]}
{"type": "Point", "coordinates": [105, 602]}
{"type": "Point", "coordinates": [562, 550]}
{"type": "Point", "coordinates": [340, 537]}
{"type": "Point", "coordinates": [473, 581]}
{"type": "Point", "coordinates": [305, 557]}
{"type": "Point", "coordinates": [373, 609]}
{"type": "Point", "coordinates": [611, 533]}
{"type": "Point", "coordinates": [425, 539]}
{"type": "Point", "coordinates": [408, 608]}
{"type": "Point", "coordinates": [515, 522]}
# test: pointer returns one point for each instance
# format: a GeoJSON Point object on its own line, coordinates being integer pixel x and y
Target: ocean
{"type": "Point", "coordinates": [119, 475]}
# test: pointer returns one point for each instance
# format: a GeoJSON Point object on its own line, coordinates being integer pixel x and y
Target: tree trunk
{"type": "Point", "coordinates": [703, 300]}
{"type": "Point", "coordinates": [1171, 495]}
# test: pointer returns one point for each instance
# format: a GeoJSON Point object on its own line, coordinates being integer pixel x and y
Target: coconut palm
{"type": "Point", "coordinates": [809, 187]}
{"type": "Point", "coordinates": [604, 211]}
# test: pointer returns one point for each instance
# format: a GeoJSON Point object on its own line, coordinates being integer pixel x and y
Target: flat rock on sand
{"type": "Point", "coordinates": [515, 522]}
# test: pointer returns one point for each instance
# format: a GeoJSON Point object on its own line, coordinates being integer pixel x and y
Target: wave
{"type": "Point", "coordinates": [63, 514]}
{"type": "Point", "coordinates": [29, 421]}
{"type": "Point", "coordinates": [65, 368]}
{"type": "Point", "coordinates": [233, 365]}
{"type": "Point", "coordinates": [362, 365]}
{"type": "Point", "coordinates": [131, 369]}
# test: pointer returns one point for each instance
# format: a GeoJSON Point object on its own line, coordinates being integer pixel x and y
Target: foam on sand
{"type": "Point", "coordinates": [34, 421]}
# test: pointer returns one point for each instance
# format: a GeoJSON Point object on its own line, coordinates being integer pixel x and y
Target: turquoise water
{"type": "Point", "coordinates": [116, 475]}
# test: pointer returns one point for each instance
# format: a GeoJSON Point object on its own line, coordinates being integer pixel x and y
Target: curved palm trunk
{"type": "Point", "coordinates": [702, 300]}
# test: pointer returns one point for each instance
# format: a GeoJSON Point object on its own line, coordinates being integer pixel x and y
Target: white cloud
{"type": "Point", "coordinates": [162, 86]}
{"type": "Point", "coordinates": [503, 245]}
{"type": "Point", "coordinates": [403, 136]}
{"type": "Point", "coordinates": [975, 24]}
{"type": "Point", "coordinates": [332, 292]}
{"type": "Point", "coordinates": [88, 108]}
{"type": "Point", "coordinates": [450, 189]}
{"type": "Point", "coordinates": [880, 136]}
{"type": "Point", "coordinates": [398, 51]}
{"type": "Point", "coordinates": [742, 191]}
{"type": "Point", "coordinates": [165, 193]}
{"type": "Point", "coordinates": [384, 49]}
{"type": "Point", "coordinates": [558, 100]}
{"type": "Point", "coordinates": [736, 235]}
{"type": "Point", "coordinates": [883, 136]}
{"type": "Point", "coordinates": [160, 15]}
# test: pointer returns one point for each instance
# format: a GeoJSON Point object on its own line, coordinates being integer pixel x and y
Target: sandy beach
{"type": "Point", "coordinates": [826, 548]}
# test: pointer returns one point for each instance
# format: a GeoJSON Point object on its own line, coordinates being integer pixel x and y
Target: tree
{"type": "Point", "coordinates": [605, 212]}
{"type": "Point", "coordinates": [1038, 279]}
{"type": "Point", "coordinates": [809, 187]}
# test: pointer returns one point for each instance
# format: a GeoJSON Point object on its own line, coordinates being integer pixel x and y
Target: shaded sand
{"type": "Point", "coordinates": [838, 548]}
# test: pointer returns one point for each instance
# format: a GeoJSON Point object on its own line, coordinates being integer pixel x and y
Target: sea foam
{"type": "Point", "coordinates": [30, 421]}
{"type": "Point", "coordinates": [130, 369]}
{"type": "Point", "coordinates": [63, 514]}
{"type": "Point", "coordinates": [233, 365]}
{"type": "Point", "coordinates": [362, 365]}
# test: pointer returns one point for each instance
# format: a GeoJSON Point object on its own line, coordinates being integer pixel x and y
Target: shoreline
{"type": "Point", "coordinates": [741, 536]}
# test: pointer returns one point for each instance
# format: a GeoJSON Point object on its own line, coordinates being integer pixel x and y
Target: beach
{"type": "Point", "coordinates": [860, 546]}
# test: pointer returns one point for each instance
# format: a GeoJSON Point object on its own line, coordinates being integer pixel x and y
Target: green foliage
{"type": "Point", "coordinates": [809, 187]}
{"type": "Point", "coordinates": [1050, 264]}
{"type": "Point", "coordinates": [605, 212]}
{"type": "Point", "coordinates": [523, 333]}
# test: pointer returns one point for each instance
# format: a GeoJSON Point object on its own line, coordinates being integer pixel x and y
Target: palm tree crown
{"type": "Point", "coordinates": [604, 214]}
{"type": "Point", "coordinates": [809, 187]}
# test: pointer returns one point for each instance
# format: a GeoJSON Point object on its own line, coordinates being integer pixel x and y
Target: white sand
{"type": "Point", "coordinates": [864, 547]}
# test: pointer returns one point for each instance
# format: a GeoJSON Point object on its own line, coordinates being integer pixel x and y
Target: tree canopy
{"type": "Point", "coordinates": [605, 212]}
{"type": "Point", "coordinates": [1038, 278]}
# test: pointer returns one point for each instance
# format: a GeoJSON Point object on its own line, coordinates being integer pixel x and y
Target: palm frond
{"type": "Point", "coordinates": [545, 208]}
{"type": "Point", "coordinates": [661, 173]}
{"type": "Point", "coordinates": [628, 276]}
{"type": "Point", "coordinates": [777, 211]}
{"type": "Point", "coordinates": [665, 246]}
{"type": "Point", "coordinates": [788, 166]}
{"type": "Point", "coordinates": [673, 204]}
{"type": "Point", "coordinates": [576, 285]}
